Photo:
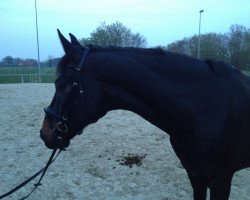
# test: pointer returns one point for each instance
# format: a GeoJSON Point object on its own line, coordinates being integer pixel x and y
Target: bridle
{"type": "Point", "coordinates": [60, 129]}
{"type": "Point", "coordinates": [61, 125]}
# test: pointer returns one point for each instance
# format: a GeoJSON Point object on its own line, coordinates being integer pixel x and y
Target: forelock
{"type": "Point", "coordinates": [61, 65]}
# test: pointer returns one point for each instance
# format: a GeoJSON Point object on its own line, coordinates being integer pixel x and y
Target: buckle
{"type": "Point", "coordinates": [60, 126]}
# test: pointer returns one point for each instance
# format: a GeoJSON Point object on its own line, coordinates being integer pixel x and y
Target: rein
{"type": "Point", "coordinates": [60, 129]}
{"type": "Point", "coordinates": [43, 171]}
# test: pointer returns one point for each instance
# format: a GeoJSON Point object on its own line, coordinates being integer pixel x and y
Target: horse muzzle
{"type": "Point", "coordinates": [54, 140]}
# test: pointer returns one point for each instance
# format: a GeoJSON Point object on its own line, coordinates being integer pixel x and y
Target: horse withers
{"type": "Point", "coordinates": [203, 105]}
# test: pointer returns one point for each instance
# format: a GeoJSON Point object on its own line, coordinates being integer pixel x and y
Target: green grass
{"type": "Point", "coordinates": [26, 70]}
{"type": "Point", "coordinates": [26, 75]}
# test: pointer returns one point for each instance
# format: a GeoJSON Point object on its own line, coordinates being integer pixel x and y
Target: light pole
{"type": "Point", "coordinates": [37, 42]}
{"type": "Point", "coordinates": [199, 39]}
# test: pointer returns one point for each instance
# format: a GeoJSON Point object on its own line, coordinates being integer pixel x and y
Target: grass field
{"type": "Point", "coordinates": [26, 75]}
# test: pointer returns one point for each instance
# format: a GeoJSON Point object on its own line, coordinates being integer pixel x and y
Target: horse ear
{"type": "Point", "coordinates": [67, 46]}
{"type": "Point", "coordinates": [74, 40]}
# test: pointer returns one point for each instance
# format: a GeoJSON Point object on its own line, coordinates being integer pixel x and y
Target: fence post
{"type": "Point", "coordinates": [22, 78]}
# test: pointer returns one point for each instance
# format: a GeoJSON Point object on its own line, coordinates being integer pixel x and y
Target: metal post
{"type": "Point", "coordinates": [199, 39]}
{"type": "Point", "coordinates": [37, 41]}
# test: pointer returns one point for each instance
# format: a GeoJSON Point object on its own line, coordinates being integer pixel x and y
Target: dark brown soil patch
{"type": "Point", "coordinates": [131, 159]}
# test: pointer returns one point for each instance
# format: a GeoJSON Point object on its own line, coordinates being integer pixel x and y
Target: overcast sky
{"type": "Point", "coordinates": [160, 21]}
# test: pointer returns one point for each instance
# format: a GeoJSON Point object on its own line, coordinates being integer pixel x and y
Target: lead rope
{"type": "Point", "coordinates": [43, 171]}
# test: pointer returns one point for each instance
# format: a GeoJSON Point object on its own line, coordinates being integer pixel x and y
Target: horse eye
{"type": "Point", "coordinates": [59, 88]}
{"type": "Point", "coordinates": [71, 66]}
{"type": "Point", "coordinates": [60, 84]}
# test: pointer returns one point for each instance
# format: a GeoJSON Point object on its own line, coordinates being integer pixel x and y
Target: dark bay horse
{"type": "Point", "coordinates": [203, 105]}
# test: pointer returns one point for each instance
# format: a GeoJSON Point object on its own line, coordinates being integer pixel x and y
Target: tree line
{"type": "Point", "coordinates": [115, 34]}
{"type": "Point", "coordinates": [9, 61]}
{"type": "Point", "coordinates": [232, 47]}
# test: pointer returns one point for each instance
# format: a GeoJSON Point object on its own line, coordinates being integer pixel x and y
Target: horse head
{"type": "Point", "coordinates": [78, 96]}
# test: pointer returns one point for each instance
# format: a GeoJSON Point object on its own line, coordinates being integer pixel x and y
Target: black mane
{"type": "Point", "coordinates": [95, 48]}
{"type": "Point", "coordinates": [158, 50]}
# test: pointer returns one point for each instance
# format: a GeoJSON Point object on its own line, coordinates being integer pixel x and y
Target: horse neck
{"type": "Point", "coordinates": [134, 84]}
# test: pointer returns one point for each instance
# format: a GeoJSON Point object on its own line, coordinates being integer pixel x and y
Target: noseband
{"type": "Point", "coordinates": [61, 127]}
